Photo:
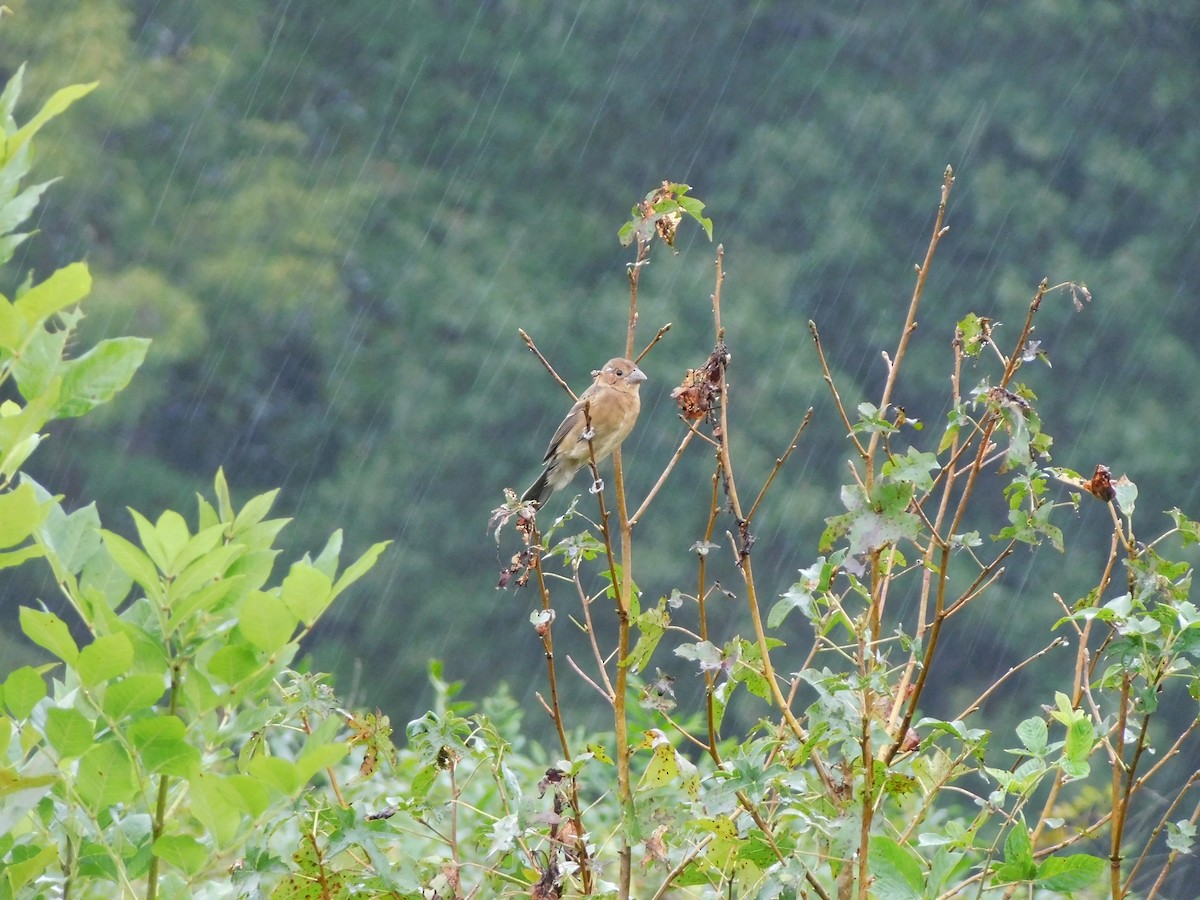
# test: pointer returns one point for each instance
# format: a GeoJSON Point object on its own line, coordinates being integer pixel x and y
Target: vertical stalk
{"type": "Point", "coordinates": [1120, 808]}
{"type": "Point", "coordinates": [624, 786]}
{"type": "Point", "coordinates": [158, 825]}
{"type": "Point", "coordinates": [585, 869]}
{"type": "Point", "coordinates": [910, 320]}
{"type": "Point", "coordinates": [623, 594]}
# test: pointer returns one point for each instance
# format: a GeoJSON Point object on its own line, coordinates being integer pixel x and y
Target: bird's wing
{"type": "Point", "coordinates": [564, 429]}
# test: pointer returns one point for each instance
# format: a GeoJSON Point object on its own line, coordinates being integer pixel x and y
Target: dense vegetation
{"type": "Point", "coordinates": [332, 218]}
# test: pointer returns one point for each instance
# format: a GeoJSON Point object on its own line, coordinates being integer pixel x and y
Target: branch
{"type": "Point", "coordinates": [545, 362]}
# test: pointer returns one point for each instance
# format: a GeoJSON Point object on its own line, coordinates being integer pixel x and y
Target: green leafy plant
{"type": "Point", "coordinates": [171, 728]}
{"type": "Point", "coordinates": [848, 785]}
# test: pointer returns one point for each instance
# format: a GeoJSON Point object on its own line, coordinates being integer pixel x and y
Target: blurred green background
{"type": "Point", "coordinates": [332, 217]}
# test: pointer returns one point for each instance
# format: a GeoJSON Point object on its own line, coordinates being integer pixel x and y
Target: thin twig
{"type": "Point", "coordinates": [1174, 854]}
{"type": "Point", "coordinates": [586, 603]}
{"type": "Point", "coordinates": [837, 399]}
{"type": "Point", "coordinates": [578, 671]}
{"type": "Point", "coordinates": [654, 340]}
{"type": "Point", "coordinates": [545, 362]}
{"type": "Point", "coordinates": [910, 320]}
{"type": "Point", "coordinates": [662, 478]}
{"type": "Point", "coordinates": [979, 701]}
{"type": "Point", "coordinates": [779, 463]}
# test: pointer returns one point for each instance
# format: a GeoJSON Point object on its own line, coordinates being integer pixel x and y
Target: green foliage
{"type": "Point", "coordinates": [181, 698]}
{"type": "Point", "coordinates": [845, 786]}
{"type": "Point", "coordinates": [173, 731]}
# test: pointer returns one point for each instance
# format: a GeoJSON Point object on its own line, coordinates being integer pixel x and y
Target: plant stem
{"type": "Point", "coordinates": [158, 824]}
{"type": "Point", "coordinates": [910, 320]}
{"type": "Point", "coordinates": [624, 593]}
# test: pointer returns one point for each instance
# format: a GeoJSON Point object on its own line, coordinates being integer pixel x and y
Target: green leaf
{"type": "Point", "coordinates": [205, 599]}
{"type": "Point", "coordinates": [49, 631]}
{"type": "Point", "coordinates": [662, 769]}
{"type": "Point", "coordinates": [1189, 529]}
{"type": "Point", "coordinates": [801, 595]}
{"type": "Point", "coordinates": [58, 103]}
{"type": "Point", "coordinates": [254, 511]}
{"type": "Point", "coordinates": [105, 776]}
{"type": "Point", "coordinates": [246, 793]}
{"type": "Point", "coordinates": [1126, 493]}
{"type": "Point", "coordinates": [693, 208]}
{"type": "Point", "coordinates": [20, 514]}
{"type": "Point", "coordinates": [233, 664]}
{"type": "Point", "coordinates": [151, 541]}
{"type": "Point", "coordinates": [173, 536]}
{"type": "Point", "coordinates": [63, 288]}
{"type": "Point", "coordinates": [708, 654]}
{"type": "Point", "coordinates": [1067, 874]}
{"type": "Point", "coordinates": [1034, 735]}
{"type": "Point", "coordinates": [897, 869]}
{"type": "Point", "coordinates": [19, 873]}
{"type": "Point", "coordinates": [203, 571]}
{"type": "Point", "coordinates": [1081, 736]}
{"type": "Point", "coordinates": [265, 621]}
{"type": "Point", "coordinates": [12, 214]}
{"type": "Point", "coordinates": [322, 756]}
{"type": "Point", "coordinates": [133, 562]}
{"type": "Point", "coordinates": [98, 375]}
{"type": "Point", "coordinates": [11, 558]}
{"type": "Point", "coordinates": [12, 92]}
{"type": "Point", "coordinates": [103, 585]}
{"type": "Point", "coordinates": [23, 690]}
{"type": "Point", "coordinates": [327, 559]}
{"type": "Point", "coordinates": [1181, 836]}
{"type": "Point", "coordinates": [914, 466]}
{"type": "Point", "coordinates": [197, 547]}
{"type": "Point", "coordinates": [276, 773]}
{"type": "Point", "coordinates": [161, 744]}
{"type": "Point", "coordinates": [133, 693]}
{"type": "Point", "coordinates": [216, 805]}
{"type": "Point", "coordinates": [253, 567]}
{"type": "Point", "coordinates": [224, 503]}
{"type": "Point", "coordinates": [307, 592]}
{"type": "Point", "coordinates": [19, 426]}
{"type": "Point", "coordinates": [1018, 853]}
{"type": "Point", "coordinates": [183, 852]}
{"type": "Point", "coordinates": [359, 567]}
{"type": "Point", "coordinates": [40, 359]}
{"type": "Point", "coordinates": [68, 731]}
{"type": "Point", "coordinates": [104, 659]}
{"type": "Point", "coordinates": [974, 333]}
{"type": "Point", "coordinates": [651, 625]}
{"type": "Point", "coordinates": [72, 538]}
{"type": "Point", "coordinates": [10, 242]}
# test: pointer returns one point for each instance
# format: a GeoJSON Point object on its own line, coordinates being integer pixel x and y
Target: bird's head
{"type": "Point", "coordinates": [618, 370]}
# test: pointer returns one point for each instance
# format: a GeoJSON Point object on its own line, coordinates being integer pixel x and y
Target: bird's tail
{"type": "Point", "coordinates": [540, 490]}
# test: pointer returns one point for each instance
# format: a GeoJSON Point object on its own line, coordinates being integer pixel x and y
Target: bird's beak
{"type": "Point", "coordinates": [637, 376]}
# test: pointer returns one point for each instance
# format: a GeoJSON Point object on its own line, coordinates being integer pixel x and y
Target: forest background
{"type": "Point", "coordinates": [332, 218]}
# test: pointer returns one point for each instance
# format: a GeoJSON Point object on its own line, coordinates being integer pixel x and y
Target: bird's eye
{"type": "Point", "coordinates": [620, 371]}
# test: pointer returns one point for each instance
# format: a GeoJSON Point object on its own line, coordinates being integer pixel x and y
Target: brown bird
{"type": "Point", "coordinates": [612, 404]}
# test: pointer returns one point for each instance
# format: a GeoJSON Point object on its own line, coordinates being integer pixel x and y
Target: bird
{"type": "Point", "coordinates": [612, 403]}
